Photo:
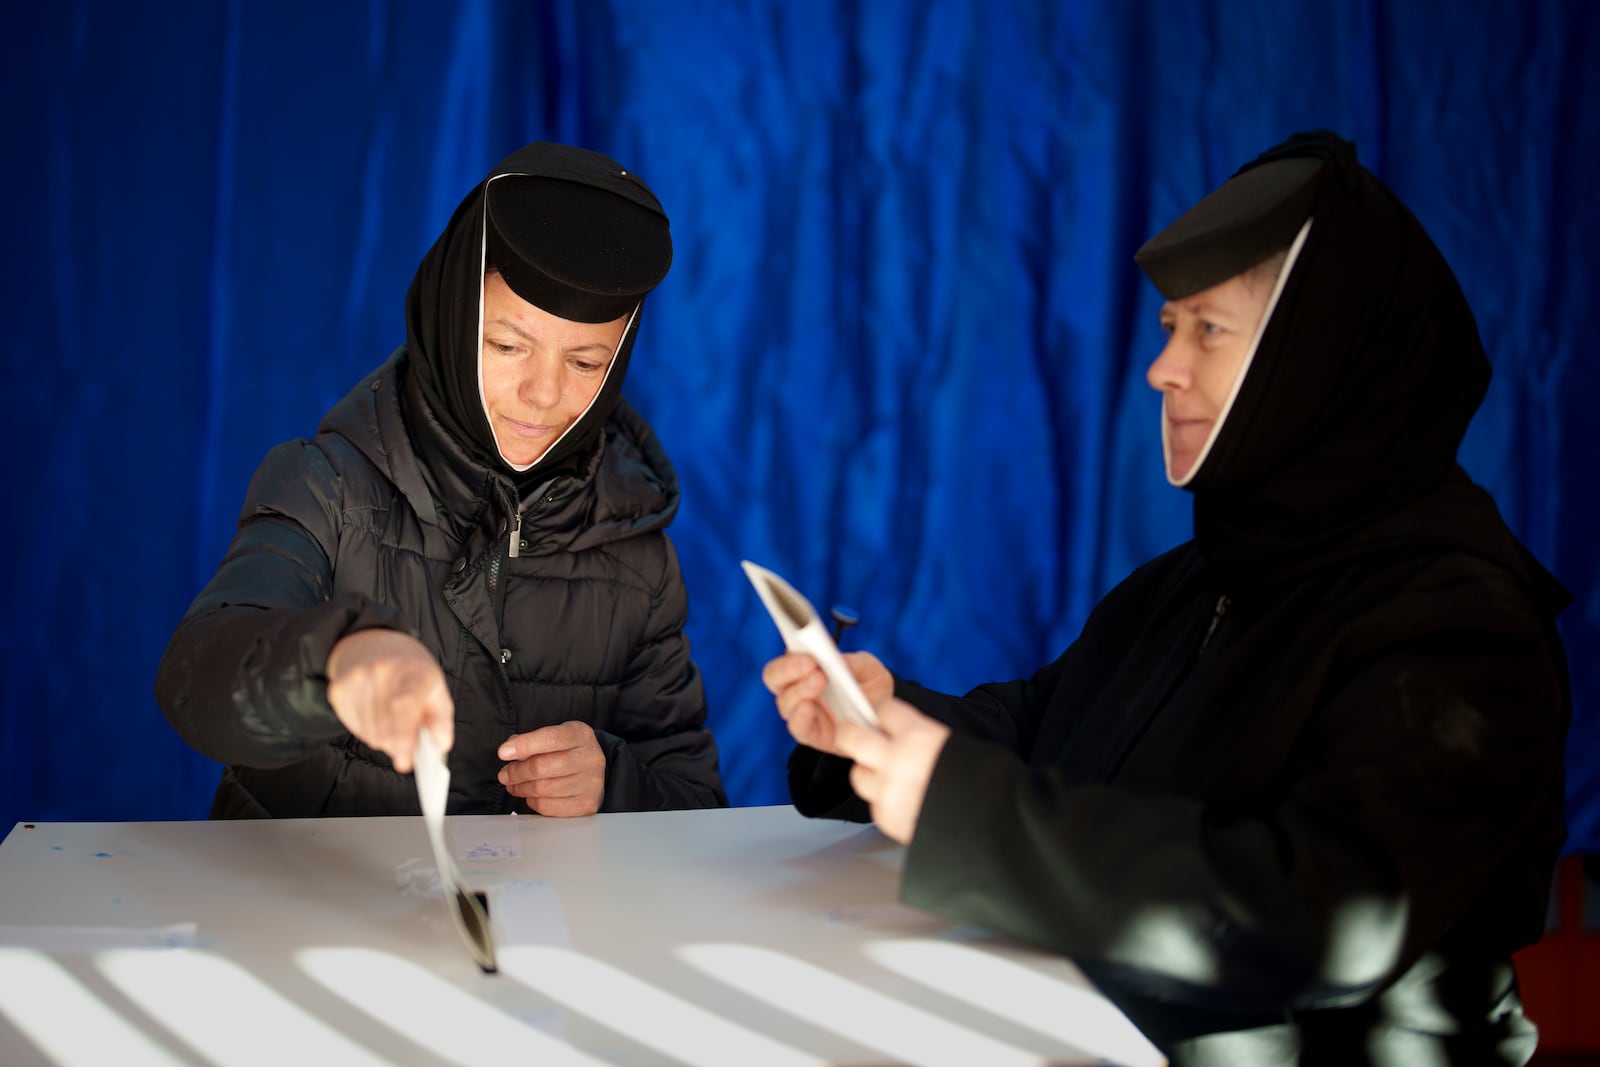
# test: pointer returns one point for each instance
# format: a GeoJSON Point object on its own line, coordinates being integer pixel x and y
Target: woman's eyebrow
{"type": "Point", "coordinates": [1203, 308]}
{"type": "Point", "coordinates": [596, 346]}
{"type": "Point", "coordinates": [1208, 308]}
{"type": "Point", "coordinates": [509, 325]}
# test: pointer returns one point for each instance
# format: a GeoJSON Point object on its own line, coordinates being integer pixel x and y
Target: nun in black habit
{"type": "Point", "coordinates": [1295, 793]}
{"type": "Point", "coordinates": [472, 544]}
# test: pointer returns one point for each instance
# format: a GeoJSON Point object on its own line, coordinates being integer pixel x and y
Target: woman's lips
{"type": "Point", "coordinates": [527, 429]}
{"type": "Point", "coordinates": [1188, 434]}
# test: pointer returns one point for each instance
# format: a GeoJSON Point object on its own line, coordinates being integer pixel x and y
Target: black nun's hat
{"type": "Point", "coordinates": [1248, 218]}
{"type": "Point", "coordinates": [576, 235]}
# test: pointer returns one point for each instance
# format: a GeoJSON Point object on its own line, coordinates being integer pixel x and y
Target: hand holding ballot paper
{"type": "Point", "coordinates": [804, 631]}
{"type": "Point", "coordinates": [844, 705]}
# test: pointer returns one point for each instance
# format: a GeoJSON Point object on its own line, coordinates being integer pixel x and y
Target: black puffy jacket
{"type": "Point", "coordinates": [352, 530]}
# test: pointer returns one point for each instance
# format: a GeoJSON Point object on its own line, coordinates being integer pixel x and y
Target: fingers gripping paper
{"type": "Point", "coordinates": [466, 908]}
{"type": "Point", "coordinates": [803, 631]}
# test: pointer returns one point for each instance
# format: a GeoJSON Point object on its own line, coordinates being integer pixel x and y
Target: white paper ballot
{"type": "Point", "coordinates": [433, 790]}
{"type": "Point", "coordinates": [803, 631]}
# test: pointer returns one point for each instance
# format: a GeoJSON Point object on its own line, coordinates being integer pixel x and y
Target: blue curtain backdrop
{"type": "Point", "coordinates": [900, 355]}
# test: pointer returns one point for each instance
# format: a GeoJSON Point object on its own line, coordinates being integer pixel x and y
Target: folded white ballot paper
{"type": "Point", "coordinates": [466, 908]}
{"type": "Point", "coordinates": [804, 631]}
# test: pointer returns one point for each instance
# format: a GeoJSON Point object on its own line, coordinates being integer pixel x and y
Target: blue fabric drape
{"type": "Point", "coordinates": [900, 355]}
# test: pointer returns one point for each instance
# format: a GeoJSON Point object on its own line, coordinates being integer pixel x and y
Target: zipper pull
{"type": "Point", "coordinates": [516, 532]}
{"type": "Point", "coordinates": [1216, 617]}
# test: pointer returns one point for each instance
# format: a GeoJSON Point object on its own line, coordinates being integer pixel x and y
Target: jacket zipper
{"type": "Point", "coordinates": [1216, 618]}
{"type": "Point", "coordinates": [547, 494]}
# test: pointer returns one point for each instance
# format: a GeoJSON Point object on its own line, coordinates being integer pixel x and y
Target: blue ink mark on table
{"type": "Point", "coordinates": [487, 851]}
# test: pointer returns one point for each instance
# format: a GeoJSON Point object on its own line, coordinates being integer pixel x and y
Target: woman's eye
{"type": "Point", "coordinates": [586, 368]}
{"type": "Point", "coordinates": [1210, 329]}
{"type": "Point", "coordinates": [502, 348]}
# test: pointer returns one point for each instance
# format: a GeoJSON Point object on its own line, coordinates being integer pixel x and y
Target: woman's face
{"type": "Point", "coordinates": [539, 372]}
{"type": "Point", "coordinates": [1208, 336]}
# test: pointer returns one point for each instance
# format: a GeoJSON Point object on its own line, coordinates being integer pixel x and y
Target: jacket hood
{"type": "Point", "coordinates": [626, 485]}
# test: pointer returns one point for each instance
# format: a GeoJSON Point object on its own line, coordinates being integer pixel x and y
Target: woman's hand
{"type": "Point", "coordinates": [558, 770]}
{"type": "Point", "coordinates": [893, 764]}
{"type": "Point", "coordinates": [797, 683]}
{"type": "Point", "coordinates": [385, 686]}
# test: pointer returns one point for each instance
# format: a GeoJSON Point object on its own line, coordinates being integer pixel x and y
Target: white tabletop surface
{"type": "Point", "coordinates": [746, 936]}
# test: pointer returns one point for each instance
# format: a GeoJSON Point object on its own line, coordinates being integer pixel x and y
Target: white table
{"type": "Point", "coordinates": [749, 937]}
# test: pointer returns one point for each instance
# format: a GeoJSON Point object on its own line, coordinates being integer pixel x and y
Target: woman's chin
{"type": "Point", "coordinates": [519, 453]}
{"type": "Point", "coordinates": [1179, 464]}
{"type": "Point", "coordinates": [523, 459]}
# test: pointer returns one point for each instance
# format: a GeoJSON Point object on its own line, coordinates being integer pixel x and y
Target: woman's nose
{"type": "Point", "coordinates": [1171, 368]}
{"type": "Point", "coordinates": [541, 385]}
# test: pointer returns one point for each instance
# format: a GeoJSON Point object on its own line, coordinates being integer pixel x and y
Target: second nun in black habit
{"type": "Point", "coordinates": [472, 544]}
{"type": "Point", "coordinates": [1295, 793]}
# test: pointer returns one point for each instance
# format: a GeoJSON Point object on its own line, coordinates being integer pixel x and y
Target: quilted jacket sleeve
{"type": "Point", "coordinates": [1003, 713]}
{"type": "Point", "coordinates": [665, 758]}
{"type": "Point", "coordinates": [243, 677]}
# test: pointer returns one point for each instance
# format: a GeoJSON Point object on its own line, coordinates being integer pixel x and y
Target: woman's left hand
{"type": "Point", "coordinates": [893, 764]}
{"type": "Point", "coordinates": [558, 770]}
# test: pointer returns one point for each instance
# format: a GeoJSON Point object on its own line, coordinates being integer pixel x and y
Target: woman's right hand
{"type": "Point", "coordinates": [797, 682]}
{"type": "Point", "coordinates": [385, 686]}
